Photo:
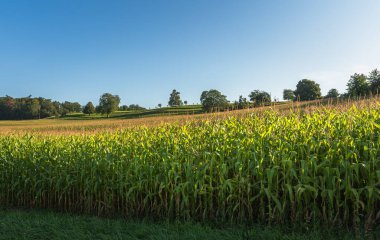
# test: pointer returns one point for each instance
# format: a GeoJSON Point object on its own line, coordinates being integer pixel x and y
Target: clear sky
{"type": "Point", "coordinates": [142, 49]}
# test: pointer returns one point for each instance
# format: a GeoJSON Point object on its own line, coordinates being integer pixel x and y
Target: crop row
{"type": "Point", "coordinates": [318, 167]}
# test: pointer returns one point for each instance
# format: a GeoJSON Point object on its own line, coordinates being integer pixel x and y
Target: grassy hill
{"type": "Point", "coordinates": [164, 111]}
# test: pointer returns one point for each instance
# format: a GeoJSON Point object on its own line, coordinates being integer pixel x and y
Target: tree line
{"type": "Point", "coordinates": [359, 85]}
{"type": "Point", "coordinates": [33, 108]}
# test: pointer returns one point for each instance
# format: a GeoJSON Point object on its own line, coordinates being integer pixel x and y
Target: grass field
{"type": "Point", "coordinates": [49, 225]}
{"type": "Point", "coordinates": [157, 112]}
{"type": "Point", "coordinates": [306, 165]}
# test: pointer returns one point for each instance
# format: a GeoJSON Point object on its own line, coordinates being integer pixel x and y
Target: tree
{"type": "Point", "coordinates": [123, 108]}
{"type": "Point", "coordinates": [7, 107]}
{"type": "Point", "coordinates": [213, 100]}
{"type": "Point", "coordinates": [288, 94]}
{"type": "Point", "coordinates": [135, 107]}
{"type": "Point", "coordinates": [48, 108]}
{"type": "Point", "coordinates": [159, 105]}
{"type": "Point", "coordinates": [358, 85]}
{"type": "Point", "coordinates": [374, 81]}
{"type": "Point", "coordinates": [89, 108]}
{"type": "Point", "coordinates": [242, 103]}
{"type": "Point", "coordinates": [332, 93]}
{"type": "Point", "coordinates": [175, 99]}
{"type": "Point", "coordinates": [71, 107]}
{"type": "Point", "coordinates": [259, 97]}
{"type": "Point", "coordinates": [98, 109]}
{"type": "Point", "coordinates": [108, 103]}
{"type": "Point", "coordinates": [27, 108]}
{"type": "Point", "coordinates": [307, 90]}
{"type": "Point", "coordinates": [185, 102]}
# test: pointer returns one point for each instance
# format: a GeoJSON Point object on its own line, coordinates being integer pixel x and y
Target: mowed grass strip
{"type": "Point", "coordinates": [49, 225]}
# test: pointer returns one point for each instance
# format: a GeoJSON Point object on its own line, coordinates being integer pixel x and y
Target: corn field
{"type": "Point", "coordinates": [268, 167]}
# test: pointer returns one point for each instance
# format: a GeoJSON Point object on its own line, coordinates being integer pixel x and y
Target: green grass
{"type": "Point", "coordinates": [17, 224]}
{"type": "Point", "coordinates": [164, 111]}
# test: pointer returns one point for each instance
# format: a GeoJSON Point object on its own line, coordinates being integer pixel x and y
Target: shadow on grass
{"type": "Point", "coordinates": [22, 224]}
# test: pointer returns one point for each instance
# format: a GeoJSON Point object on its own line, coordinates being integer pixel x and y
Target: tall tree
{"type": "Point", "coordinates": [213, 100]}
{"type": "Point", "coordinates": [175, 98]}
{"type": "Point", "coordinates": [89, 108]}
{"type": "Point", "coordinates": [47, 108]}
{"type": "Point", "coordinates": [71, 107]}
{"type": "Point", "coordinates": [259, 97]}
{"type": "Point", "coordinates": [358, 85]}
{"type": "Point", "coordinates": [288, 94]}
{"type": "Point", "coordinates": [7, 107]}
{"type": "Point", "coordinates": [332, 93]}
{"type": "Point", "coordinates": [307, 90]}
{"type": "Point", "coordinates": [108, 103]}
{"type": "Point", "coordinates": [242, 103]}
{"type": "Point", "coordinates": [374, 81]}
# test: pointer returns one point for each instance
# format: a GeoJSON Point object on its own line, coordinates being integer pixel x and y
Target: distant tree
{"type": "Point", "coordinates": [89, 108]}
{"type": "Point", "coordinates": [71, 107]}
{"type": "Point", "coordinates": [123, 108]}
{"type": "Point", "coordinates": [242, 103]}
{"type": "Point", "coordinates": [135, 107]}
{"type": "Point", "coordinates": [34, 108]}
{"type": "Point", "coordinates": [7, 107]}
{"type": "Point", "coordinates": [98, 109]}
{"type": "Point", "coordinates": [358, 85]}
{"type": "Point", "coordinates": [159, 105]}
{"type": "Point", "coordinates": [307, 90]}
{"type": "Point", "coordinates": [374, 81]}
{"type": "Point", "coordinates": [332, 93]}
{"type": "Point", "coordinates": [213, 100]}
{"type": "Point", "coordinates": [27, 108]}
{"type": "Point", "coordinates": [48, 108]}
{"type": "Point", "coordinates": [185, 102]}
{"type": "Point", "coordinates": [108, 103]}
{"type": "Point", "coordinates": [288, 94]}
{"type": "Point", "coordinates": [259, 97]}
{"type": "Point", "coordinates": [344, 95]}
{"type": "Point", "coordinates": [175, 99]}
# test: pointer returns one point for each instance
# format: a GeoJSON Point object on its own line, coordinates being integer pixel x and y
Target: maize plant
{"type": "Point", "coordinates": [322, 167]}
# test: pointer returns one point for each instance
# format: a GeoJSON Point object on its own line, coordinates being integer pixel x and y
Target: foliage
{"type": "Point", "coordinates": [299, 168]}
{"type": "Point", "coordinates": [213, 100]}
{"type": "Point", "coordinates": [358, 85]}
{"type": "Point", "coordinates": [307, 90]}
{"type": "Point", "coordinates": [175, 99]}
{"type": "Point", "coordinates": [332, 93]}
{"type": "Point", "coordinates": [374, 81]}
{"type": "Point", "coordinates": [108, 103]}
{"type": "Point", "coordinates": [259, 97]}
{"type": "Point", "coordinates": [27, 108]}
{"type": "Point", "coordinates": [288, 94]}
{"type": "Point", "coordinates": [68, 107]}
{"type": "Point", "coordinates": [89, 108]}
{"type": "Point", "coordinates": [242, 103]}
{"type": "Point", "coordinates": [133, 107]}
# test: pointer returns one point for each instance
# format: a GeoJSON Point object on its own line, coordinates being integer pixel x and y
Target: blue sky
{"type": "Point", "coordinates": [76, 50]}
